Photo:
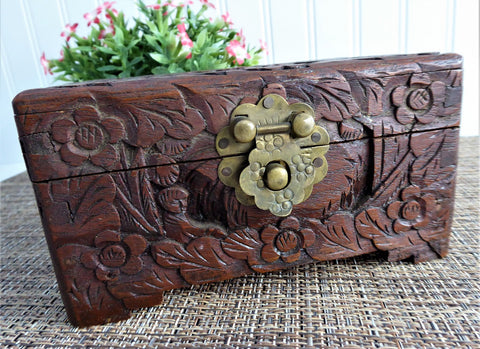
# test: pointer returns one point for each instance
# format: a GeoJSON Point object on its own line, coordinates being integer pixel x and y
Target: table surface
{"type": "Point", "coordinates": [359, 302]}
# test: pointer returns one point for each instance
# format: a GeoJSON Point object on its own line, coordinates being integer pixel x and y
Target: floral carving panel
{"type": "Point", "coordinates": [93, 132]}
{"type": "Point", "coordinates": [158, 217]}
{"type": "Point", "coordinates": [147, 240]}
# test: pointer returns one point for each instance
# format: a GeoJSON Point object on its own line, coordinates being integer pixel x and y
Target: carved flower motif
{"type": "Point", "coordinates": [285, 242]}
{"type": "Point", "coordinates": [114, 255]}
{"type": "Point", "coordinates": [88, 137]}
{"type": "Point", "coordinates": [420, 101]}
{"type": "Point", "coordinates": [413, 212]}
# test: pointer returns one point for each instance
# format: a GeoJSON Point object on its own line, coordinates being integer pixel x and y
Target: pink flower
{"type": "Point", "coordinates": [61, 56]}
{"type": "Point", "coordinates": [241, 36]}
{"type": "Point", "coordinates": [44, 62]}
{"type": "Point", "coordinates": [227, 19]}
{"type": "Point", "coordinates": [263, 46]}
{"type": "Point", "coordinates": [181, 28]}
{"type": "Point", "coordinates": [206, 2]}
{"type": "Point", "coordinates": [155, 6]}
{"type": "Point", "coordinates": [237, 50]}
{"type": "Point", "coordinates": [103, 33]}
{"type": "Point", "coordinates": [91, 18]}
{"type": "Point", "coordinates": [183, 35]}
{"type": "Point", "coordinates": [178, 3]}
{"type": "Point", "coordinates": [69, 30]}
{"type": "Point", "coordinates": [189, 56]}
{"type": "Point", "coordinates": [107, 5]}
{"type": "Point", "coordinates": [115, 13]}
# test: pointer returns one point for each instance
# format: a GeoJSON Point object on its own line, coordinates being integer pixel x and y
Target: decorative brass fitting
{"type": "Point", "coordinates": [273, 153]}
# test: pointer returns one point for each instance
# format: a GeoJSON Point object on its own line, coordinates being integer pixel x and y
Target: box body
{"type": "Point", "coordinates": [126, 175]}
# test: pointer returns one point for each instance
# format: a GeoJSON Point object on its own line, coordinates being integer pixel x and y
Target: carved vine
{"type": "Point", "coordinates": [134, 235]}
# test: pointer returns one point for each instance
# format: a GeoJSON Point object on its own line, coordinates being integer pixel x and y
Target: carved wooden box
{"type": "Point", "coordinates": [160, 182]}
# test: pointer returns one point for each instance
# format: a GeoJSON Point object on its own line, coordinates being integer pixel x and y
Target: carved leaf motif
{"type": "Point", "coordinates": [243, 244]}
{"type": "Point", "coordinates": [152, 281]}
{"type": "Point", "coordinates": [373, 89]}
{"type": "Point", "coordinates": [147, 122]}
{"type": "Point", "coordinates": [201, 261]}
{"type": "Point", "coordinates": [392, 159]}
{"type": "Point", "coordinates": [368, 92]}
{"type": "Point", "coordinates": [427, 168]}
{"type": "Point", "coordinates": [349, 130]}
{"type": "Point", "coordinates": [215, 109]}
{"type": "Point", "coordinates": [338, 232]}
{"type": "Point", "coordinates": [155, 120]}
{"type": "Point", "coordinates": [375, 225]}
{"type": "Point", "coordinates": [136, 203]}
{"type": "Point", "coordinates": [331, 97]}
{"type": "Point", "coordinates": [147, 128]}
{"type": "Point", "coordinates": [454, 78]}
{"type": "Point", "coordinates": [85, 212]}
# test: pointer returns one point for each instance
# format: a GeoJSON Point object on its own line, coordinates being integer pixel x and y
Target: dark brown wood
{"type": "Point", "coordinates": [164, 115]}
{"type": "Point", "coordinates": [125, 174]}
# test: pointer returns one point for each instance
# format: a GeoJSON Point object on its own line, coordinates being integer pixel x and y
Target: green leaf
{"type": "Point", "coordinates": [162, 59]}
{"type": "Point", "coordinates": [136, 60]}
{"type": "Point", "coordinates": [132, 44]}
{"type": "Point", "coordinates": [106, 50]}
{"type": "Point", "coordinates": [152, 41]}
{"type": "Point", "coordinates": [84, 48]}
{"type": "Point", "coordinates": [119, 37]}
{"type": "Point", "coordinates": [109, 68]}
{"type": "Point", "coordinates": [124, 74]}
{"type": "Point", "coordinates": [149, 46]}
{"type": "Point", "coordinates": [174, 68]}
{"type": "Point", "coordinates": [160, 70]}
{"type": "Point", "coordinates": [202, 37]}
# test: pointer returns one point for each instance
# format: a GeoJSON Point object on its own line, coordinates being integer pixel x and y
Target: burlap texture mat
{"type": "Point", "coordinates": [362, 302]}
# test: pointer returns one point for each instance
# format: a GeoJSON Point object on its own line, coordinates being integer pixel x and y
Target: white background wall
{"type": "Point", "coordinates": [295, 30]}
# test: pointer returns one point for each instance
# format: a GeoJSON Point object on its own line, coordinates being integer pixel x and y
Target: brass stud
{"type": "Point", "coordinates": [276, 176]}
{"type": "Point", "coordinates": [268, 102]}
{"type": "Point", "coordinates": [303, 124]}
{"type": "Point", "coordinates": [226, 171]}
{"type": "Point", "coordinates": [244, 131]}
{"type": "Point", "coordinates": [318, 162]}
{"type": "Point", "coordinates": [316, 137]}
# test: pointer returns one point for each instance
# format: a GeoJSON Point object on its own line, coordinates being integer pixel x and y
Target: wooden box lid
{"type": "Point", "coordinates": [93, 127]}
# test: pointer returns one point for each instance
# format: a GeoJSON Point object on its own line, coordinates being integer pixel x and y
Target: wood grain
{"type": "Point", "coordinates": [125, 175]}
{"type": "Point", "coordinates": [165, 114]}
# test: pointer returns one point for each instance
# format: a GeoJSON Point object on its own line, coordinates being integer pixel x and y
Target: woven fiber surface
{"type": "Point", "coordinates": [361, 302]}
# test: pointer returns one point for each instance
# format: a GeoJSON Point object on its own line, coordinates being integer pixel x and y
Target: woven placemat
{"type": "Point", "coordinates": [361, 302]}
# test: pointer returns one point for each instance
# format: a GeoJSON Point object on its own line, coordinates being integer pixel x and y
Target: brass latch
{"type": "Point", "coordinates": [273, 154]}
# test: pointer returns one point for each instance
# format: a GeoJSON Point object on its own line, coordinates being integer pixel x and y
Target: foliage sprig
{"type": "Point", "coordinates": [165, 38]}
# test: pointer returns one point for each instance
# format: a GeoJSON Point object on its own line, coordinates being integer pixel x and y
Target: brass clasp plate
{"type": "Point", "coordinates": [273, 154]}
